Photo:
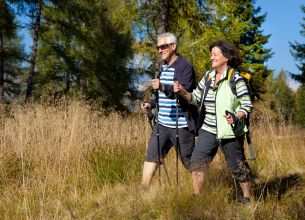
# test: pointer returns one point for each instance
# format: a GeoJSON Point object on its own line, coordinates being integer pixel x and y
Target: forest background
{"type": "Point", "coordinates": [89, 68]}
{"type": "Point", "coordinates": [89, 49]}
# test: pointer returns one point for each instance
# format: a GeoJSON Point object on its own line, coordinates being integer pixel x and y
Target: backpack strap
{"type": "Point", "coordinates": [207, 83]}
{"type": "Point", "coordinates": [231, 78]}
{"type": "Point", "coordinates": [245, 75]}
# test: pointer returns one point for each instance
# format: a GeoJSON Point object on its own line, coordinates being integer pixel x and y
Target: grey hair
{"type": "Point", "coordinates": [171, 38]}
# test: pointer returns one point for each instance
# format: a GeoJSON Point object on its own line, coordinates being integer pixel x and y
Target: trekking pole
{"type": "Point", "coordinates": [251, 148]}
{"type": "Point", "coordinates": [248, 137]}
{"type": "Point", "coordinates": [236, 121]}
{"type": "Point", "coordinates": [249, 142]}
{"type": "Point", "coordinates": [158, 138]}
{"type": "Point", "coordinates": [177, 142]}
{"type": "Point", "coordinates": [166, 173]}
{"type": "Point", "coordinates": [150, 117]}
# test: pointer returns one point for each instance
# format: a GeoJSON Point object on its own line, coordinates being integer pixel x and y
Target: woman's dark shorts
{"type": "Point", "coordinates": [206, 148]}
{"type": "Point", "coordinates": [167, 139]}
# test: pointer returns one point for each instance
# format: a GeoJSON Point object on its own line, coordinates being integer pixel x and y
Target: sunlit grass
{"type": "Point", "coordinates": [68, 161]}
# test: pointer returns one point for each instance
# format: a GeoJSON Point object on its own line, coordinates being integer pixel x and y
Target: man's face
{"type": "Point", "coordinates": [165, 49]}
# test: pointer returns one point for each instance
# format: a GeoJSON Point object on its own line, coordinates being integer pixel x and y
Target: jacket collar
{"type": "Point", "coordinates": [224, 75]}
{"type": "Point", "coordinates": [176, 62]}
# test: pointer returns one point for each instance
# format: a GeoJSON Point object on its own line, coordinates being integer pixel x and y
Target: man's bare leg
{"type": "Point", "coordinates": [149, 171]}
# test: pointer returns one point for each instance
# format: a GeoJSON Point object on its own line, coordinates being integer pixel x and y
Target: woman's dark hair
{"type": "Point", "coordinates": [229, 51]}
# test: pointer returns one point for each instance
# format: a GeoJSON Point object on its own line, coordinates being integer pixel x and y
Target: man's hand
{"type": "Point", "coordinates": [145, 107]}
{"type": "Point", "coordinates": [155, 83]}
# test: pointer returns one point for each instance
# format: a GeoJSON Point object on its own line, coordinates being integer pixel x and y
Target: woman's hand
{"type": "Point", "coordinates": [180, 90]}
{"type": "Point", "coordinates": [177, 87]}
{"type": "Point", "coordinates": [230, 119]}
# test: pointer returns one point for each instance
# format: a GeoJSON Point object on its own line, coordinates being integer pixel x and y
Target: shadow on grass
{"type": "Point", "coordinates": [276, 187]}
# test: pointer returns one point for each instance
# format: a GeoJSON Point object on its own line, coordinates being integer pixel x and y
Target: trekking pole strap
{"type": "Point", "coordinates": [156, 93]}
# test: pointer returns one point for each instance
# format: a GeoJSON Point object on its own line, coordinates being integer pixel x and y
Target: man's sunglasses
{"type": "Point", "coordinates": [164, 46]}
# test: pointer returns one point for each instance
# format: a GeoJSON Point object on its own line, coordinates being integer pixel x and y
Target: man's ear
{"type": "Point", "coordinates": [175, 47]}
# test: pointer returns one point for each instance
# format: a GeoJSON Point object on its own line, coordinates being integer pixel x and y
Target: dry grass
{"type": "Point", "coordinates": [68, 161]}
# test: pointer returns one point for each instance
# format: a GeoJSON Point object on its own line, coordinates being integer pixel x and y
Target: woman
{"type": "Point", "coordinates": [217, 129]}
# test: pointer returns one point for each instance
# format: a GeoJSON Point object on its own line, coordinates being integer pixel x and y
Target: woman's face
{"type": "Point", "coordinates": [217, 58]}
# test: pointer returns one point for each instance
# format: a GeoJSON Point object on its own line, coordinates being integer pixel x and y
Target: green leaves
{"type": "Point", "coordinates": [11, 55]}
{"type": "Point", "coordinates": [282, 99]}
{"type": "Point", "coordinates": [89, 49]}
{"type": "Point", "coordinates": [300, 106]}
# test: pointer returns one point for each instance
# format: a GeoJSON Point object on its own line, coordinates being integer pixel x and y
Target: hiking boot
{"type": "Point", "coordinates": [194, 195]}
{"type": "Point", "coordinates": [245, 200]}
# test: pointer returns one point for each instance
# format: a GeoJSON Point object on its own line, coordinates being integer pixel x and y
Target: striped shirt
{"type": "Point", "coordinates": [167, 107]}
{"type": "Point", "coordinates": [242, 95]}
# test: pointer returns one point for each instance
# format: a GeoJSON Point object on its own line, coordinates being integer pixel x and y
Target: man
{"type": "Point", "coordinates": [174, 67]}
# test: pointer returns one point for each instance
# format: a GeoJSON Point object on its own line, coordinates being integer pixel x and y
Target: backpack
{"type": "Point", "coordinates": [245, 74]}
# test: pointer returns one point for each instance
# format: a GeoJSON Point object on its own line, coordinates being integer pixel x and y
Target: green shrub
{"type": "Point", "coordinates": [114, 165]}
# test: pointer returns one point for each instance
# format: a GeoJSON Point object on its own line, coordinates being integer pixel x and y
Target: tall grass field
{"type": "Point", "coordinates": [69, 161]}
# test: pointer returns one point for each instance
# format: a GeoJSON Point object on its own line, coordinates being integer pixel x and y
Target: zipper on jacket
{"type": "Point", "coordinates": [219, 83]}
{"type": "Point", "coordinates": [217, 138]}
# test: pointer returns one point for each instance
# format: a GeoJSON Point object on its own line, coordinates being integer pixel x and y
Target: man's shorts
{"type": "Point", "coordinates": [167, 139]}
{"type": "Point", "coordinates": [206, 148]}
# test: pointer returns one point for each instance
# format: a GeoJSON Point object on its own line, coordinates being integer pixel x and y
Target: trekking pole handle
{"type": "Point", "coordinates": [149, 114]}
{"type": "Point", "coordinates": [235, 118]}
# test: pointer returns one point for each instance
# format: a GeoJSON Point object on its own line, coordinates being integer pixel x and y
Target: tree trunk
{"type": "Point", "coordinates": [30, 81]}
{"type": "Point", "coordinates": [163, 25]}
{"type": "Point", "coordinates": [1, 67]}
{"type": "Point", "coordinates": [81, 77]}
{"type": "Point", "coordinates": [67, 83]}
{"type": "Point", "coordinates": [164, 17]}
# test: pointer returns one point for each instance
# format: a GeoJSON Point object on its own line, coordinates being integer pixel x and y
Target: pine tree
{"type": "Point", "coordinates": [38, 4]}
{"type": "Point", "coordinates": [85, 48]}
{"type": "Point", "coordinates": [33, 10]}
{"type": "Point", "coordinates": [199, 23]}
{"type": "Point", "coordinates": [238, 22]}
{"type": "Point", "coordinates": [300, 106]}
{"type": "Point", "coordinates": [298, 52]}
{"type": "Point", "coordinates": [11, 55]}
{"type": "Point", "coordinates": [283, 98]}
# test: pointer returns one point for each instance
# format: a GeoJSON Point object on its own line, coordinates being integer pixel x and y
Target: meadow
{"type": "Point", "coordinates": [69, 161]}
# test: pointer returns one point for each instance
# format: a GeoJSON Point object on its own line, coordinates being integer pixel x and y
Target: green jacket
{"type": "Point", "coordinates": [225, 100]}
